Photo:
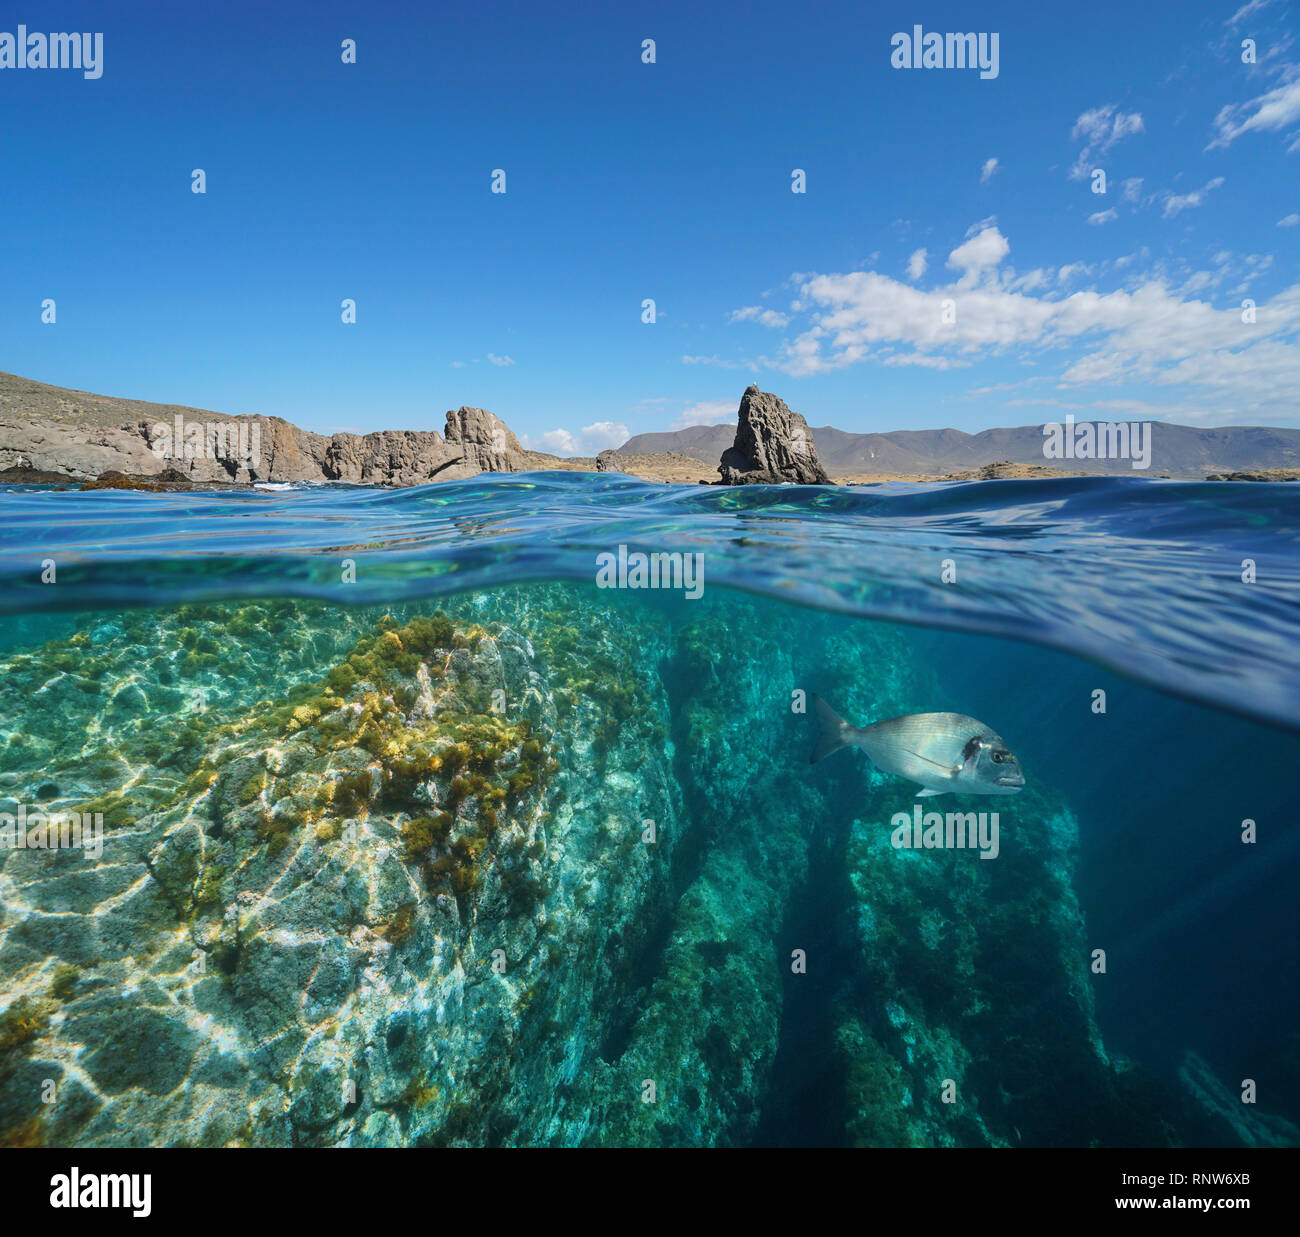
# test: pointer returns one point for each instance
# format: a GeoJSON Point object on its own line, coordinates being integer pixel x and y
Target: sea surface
{"type": "Point", "coordinates": [412, 833]}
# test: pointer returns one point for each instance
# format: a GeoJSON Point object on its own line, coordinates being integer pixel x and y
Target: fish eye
{"type": "Point", "coordinates": [999, 757]}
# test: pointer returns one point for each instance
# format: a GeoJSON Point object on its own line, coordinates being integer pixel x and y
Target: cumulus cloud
{"type": "Point", "coordinates": [1097, 218]}
{"type": "Point", "coordinates": [1269, 112]}
{"type": "Point", "coordinates": [590, 440]}
{"type": "Point", "coordinates": [500, 360]}
{"type": "Point", "coordinates": [986, 172]}
{"type": "Point", "coordinates": [1099, 130]}
{"type": "Point", "coordinates": [756, 313]}
{"type": "Point", "coordinates": [1289, 221]}
{"type": "Point", "coordinates": [916, 264]}
{"type": "Point", "coordinates": [981, 253]}
{"type": "Point", "coordinates": [1154, 330]}
{"type": "Point", "coordinates": [1175, 203]}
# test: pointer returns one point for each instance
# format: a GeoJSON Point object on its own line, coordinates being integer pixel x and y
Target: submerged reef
{"type": "Point", "coordinates": [527, 870]}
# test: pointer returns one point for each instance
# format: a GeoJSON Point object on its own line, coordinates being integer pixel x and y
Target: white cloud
{"type": "Point", "coordinates": [1154, 330]}
{"type": "Point", "coordinates": [706, 412]}
{"type": "Point", "coordinates": [1277, 109]}
{"type": "Point", "coordinates": [1103, 216]}
{"type": "Point", "coordinates": [500, 360]}
{"type": "Point", "coordinates": [458, 365]}
{"type": "Point", "coordinates": [983, 252]}
{"type": "Point", "coordinates": [1177, 202]}
{"type": "Point", "coordinates": [1132, 189]}
{"type": "Point", "coordinates": [916, 264]}
{"type": "Point", "coordinates": [1247, 10]}
{"type": "Point", "coordinates": [1044, 403]}
{"type": "Point", "coordinates": [715, 359]}
{"type": "Point", "coordinates": [1030, 280]}
{"type": "Point", "coordinates": [986, 172]}
{"type": "Point", "coordinates": [1100, 129]}
{"type": "Point", "coordinates": [590, 440]}
{"type": "Point", "coordinates": [1289, 222]}
{"type": "Point", "coordinates": [925, 361]}
{"type": "Point", "coordinates": [756, 313]}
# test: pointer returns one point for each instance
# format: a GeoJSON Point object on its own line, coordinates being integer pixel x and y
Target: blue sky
{"type": "Point", "coordinates": [671, 181]}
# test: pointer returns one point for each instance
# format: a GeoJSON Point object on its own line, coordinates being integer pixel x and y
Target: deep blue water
{"type": "Point", "coordinates": [1062, 588]}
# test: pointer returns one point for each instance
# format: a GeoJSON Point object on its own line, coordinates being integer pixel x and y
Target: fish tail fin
{"type": "Point", "coordinates": [832, 731]}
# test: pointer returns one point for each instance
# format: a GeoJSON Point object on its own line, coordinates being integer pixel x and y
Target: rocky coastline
{"type": "Point", "coordinates": [55, 436]}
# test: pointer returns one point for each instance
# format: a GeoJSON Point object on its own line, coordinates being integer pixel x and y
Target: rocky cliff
{"type": "Point", "coordinates": [48, 432]}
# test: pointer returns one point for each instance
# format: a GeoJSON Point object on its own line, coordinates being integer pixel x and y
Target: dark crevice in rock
{"type": "Point", "coordinates": [805, 1101]}
{"type": "Point", "coordinates": [642, 970]}
{"type": "Point", "coordinates": [688, 858]}
{"type": "Point", "coordinates": [681, 687]}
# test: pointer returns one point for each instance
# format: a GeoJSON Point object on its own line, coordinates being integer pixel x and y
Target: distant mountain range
{"type": "Point", "coordinates": [50, 433]}
{"type": "Point", "coordinates": [1176, 450]}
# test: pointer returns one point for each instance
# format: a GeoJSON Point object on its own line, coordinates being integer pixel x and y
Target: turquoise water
{"type": "Point", "coordinates": [411, 834]}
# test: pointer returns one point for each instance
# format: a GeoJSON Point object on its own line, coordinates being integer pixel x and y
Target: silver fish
{"type": "Point", "coordinates": [944, 752]}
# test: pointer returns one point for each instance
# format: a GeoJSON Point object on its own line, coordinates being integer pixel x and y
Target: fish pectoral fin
{"type": "Point", "coordinates": [946, 770]}
{"type": "Point", "coordinates": [920, 794]}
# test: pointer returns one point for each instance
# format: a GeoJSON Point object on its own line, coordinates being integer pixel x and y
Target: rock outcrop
{"type": "Point", "coordinates": [48, 433]}
{"type": "Point", "coordinates": [485, 442]}
{"type": "Point", "coordinates": [669, 466]}
{"type": "Point", "coordinates": [773, 445]}
{"type": "Point", "coordinates": [1257, 474]}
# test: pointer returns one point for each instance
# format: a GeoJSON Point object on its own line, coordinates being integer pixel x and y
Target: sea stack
{"type": "Point", "coordinates": [772, 445]}
{"type": "Point", "coordinates": [485, 440]}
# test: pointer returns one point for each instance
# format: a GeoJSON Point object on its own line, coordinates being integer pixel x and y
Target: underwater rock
{"type": "Point", "coordinates": [525, 872]}
{"type": "Point", "coordinates": [1237, 1122]}
{"type": "Point", "coordinates": [772, 445]}
{"type": "Point", "coordinates": [336, 921]}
